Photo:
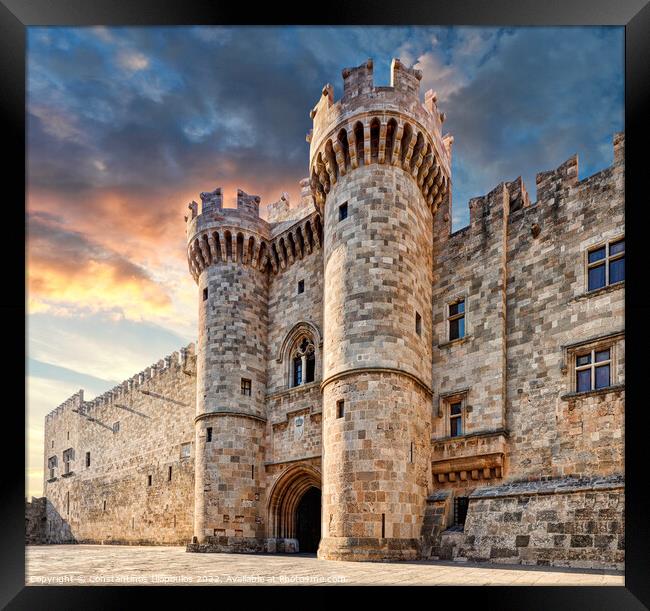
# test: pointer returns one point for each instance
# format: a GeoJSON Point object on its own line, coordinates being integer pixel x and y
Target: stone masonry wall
{"type": "Point", "coordinates": [578, 523]}
{"type": "Point", "coordinates": [35, 521]}
{"type": "Point", "coordinates": [549, 431]}
{"type": "Point", "coordinates": [111, 500]}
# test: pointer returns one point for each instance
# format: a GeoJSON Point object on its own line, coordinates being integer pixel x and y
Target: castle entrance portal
{"type": "Point", "coordinates": [295, 510]}
{"type": "Point", "coordinates": [308, 521]}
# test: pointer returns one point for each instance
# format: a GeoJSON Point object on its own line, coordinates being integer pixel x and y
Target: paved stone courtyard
{"type": "Point", "coordinates": [157, 565]}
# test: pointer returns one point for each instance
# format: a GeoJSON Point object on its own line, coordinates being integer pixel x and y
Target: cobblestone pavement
{"type": "Point", "coordinates": [130, 565]}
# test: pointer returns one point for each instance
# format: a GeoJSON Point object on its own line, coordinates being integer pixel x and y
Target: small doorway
{"type": "Point", "coordinates": [308, 521]}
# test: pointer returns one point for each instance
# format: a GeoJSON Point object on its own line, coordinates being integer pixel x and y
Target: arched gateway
{"type": "Point", "coordinates": [294, 512]}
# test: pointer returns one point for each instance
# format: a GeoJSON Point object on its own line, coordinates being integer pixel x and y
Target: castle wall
{"type": "Point", "coordinates": [527, 352]}
{"type": "Point", "coordinates": [540, 465]}
{"type": "Point", "coordinates": [111, 500]}
{"type": "Point", "coordinates": [35, 521]}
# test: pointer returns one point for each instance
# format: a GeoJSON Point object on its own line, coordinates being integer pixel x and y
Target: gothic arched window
{"type": "Point", "coordinates": [303, 362]}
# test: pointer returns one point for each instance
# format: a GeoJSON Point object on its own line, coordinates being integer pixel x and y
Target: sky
{"type": "Point", "coordinates": [125, 126]}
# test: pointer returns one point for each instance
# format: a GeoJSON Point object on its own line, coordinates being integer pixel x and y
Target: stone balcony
{"type": "Point", "coordinates": [469, 457]}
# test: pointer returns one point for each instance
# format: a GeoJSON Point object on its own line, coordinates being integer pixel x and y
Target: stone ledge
{"type": "Point", "coordinates": [302, 388]}
{"type": "Point", "coordinates": [455, 342]}
{"type": "Point", "coordinates": [593, 393]}
{"type": "Point", "coordinates": [602, 290]}
{"type": "Point", "coordinates": [440, 495]}
{"type": "Point", "coordinates": [284, 462]}
{"type": "Point", "coordinates": [555, 486]}
{"type": "Point", "coordinates": [67, 474]}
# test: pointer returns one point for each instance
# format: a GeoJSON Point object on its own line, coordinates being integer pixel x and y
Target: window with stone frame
{"type": "Point", "coordinates": [52, 465]}
{"type": "Point", "coordinates": [606, 264]}
{"type": "Point", "coordinates": [303, 362]}
{"type": "Point", "coordinates": [593, 370]}
{"type": "Point", "coordinates": [68, 456]}
{"type": "Point", "coordinates": [593, 364]}
{"type": "Point", "coordinates": [454, 408]}
{"type": "Point", "coordinates": [456, 320]}
{"type": "Point", "coordinates": [186, 450]}
{"type": "Point", "coordinates": [246, 387]}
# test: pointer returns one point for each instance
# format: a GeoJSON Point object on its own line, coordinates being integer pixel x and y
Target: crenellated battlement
{"type": "Point", "coordinates": [554, 187]}
{"type": "Point", "coordinates": [383, 125]}
{"type": "Point", "coordinates": [218, 235]}
{"type": "Point", "coordinates": [182, 358]}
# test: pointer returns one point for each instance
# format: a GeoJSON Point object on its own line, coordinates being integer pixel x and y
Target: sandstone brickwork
{"type": "Point", "coordinates": [327, 360]}
{"type": "Point", "coordinates": [135, 438]}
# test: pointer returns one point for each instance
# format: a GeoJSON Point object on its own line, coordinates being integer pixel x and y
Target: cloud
{"type": "Point", "coordinates": [67, 272]}
{"type": "Point", "coordinates": [133, 61]}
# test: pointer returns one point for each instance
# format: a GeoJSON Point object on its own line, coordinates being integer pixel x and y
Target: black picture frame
{"type": "Point", "coordinates": [17, 15]}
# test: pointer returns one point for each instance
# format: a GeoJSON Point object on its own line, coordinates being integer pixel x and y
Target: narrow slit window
{"type": "Point", "coordinates": [340, 408]}
{"type": "Point", "coordinates": [301, 286]}
{"type": "Point", "coordinates": [418, 323]}
{"type": "Point", "coordinates": [149, 480]}
{"type": "Point", "coordinates": [87, 459]}
{"type": "Point", "coordinates": [456, 419]}
{"type": "Point", "coordinates": [169, 474]}
{"type": "Point", "coordinates": [205, 293]}
{"type": "Point", "coordinates": [456, 320]}
{"type": "Point", "coordinates": [343, 211]}
{"type": "Point", "coordinates": [461, 504]}
{"type": "Point", "coordinates": [208, 436]}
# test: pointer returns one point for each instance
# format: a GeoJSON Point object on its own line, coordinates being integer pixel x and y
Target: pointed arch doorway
{"type": "Point", "coordinates": [295, 510]}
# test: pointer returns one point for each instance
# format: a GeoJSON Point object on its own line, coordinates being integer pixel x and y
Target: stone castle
{"type": "Point", "coordinates": [367, 383]}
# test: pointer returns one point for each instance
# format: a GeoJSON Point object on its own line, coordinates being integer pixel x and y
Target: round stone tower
{"type": "Point", "coordinates": [379, 169]}
{"type": "Point", "coordinates": [226, 250]}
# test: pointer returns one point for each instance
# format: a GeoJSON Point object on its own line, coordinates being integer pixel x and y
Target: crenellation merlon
{"type": "Point", "coordinates": [553, 184]}
{"type": "Point", "coordinates": [357, 80]}
{"type": "Point", "coordinates": [405, 79]}
{"type": "Point", "coordinates": [211, 201]}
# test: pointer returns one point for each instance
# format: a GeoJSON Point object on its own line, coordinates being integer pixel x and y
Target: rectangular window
{"type": "Point", "coordinates": [245, 387]}
{"type": "Point", "coordinates": [301, 286]}
{"type": "Point", "coordinates": [593, 370]}
{"type": "Point", "coordinates": [418, 323]}
{"type": "Point", "coordinates": [68, 455]}
{"type": "Point", "coordinates": [87, 459]}
{"type": "Point", "coordinates": [149, 480]}
{"type": "Point", "coordinates": [116, 427]}
{"type": "Point", "coordinates": [52, 442]}
{"type": "Point", "coordinates": [169, 474]}
{"type": "Point", "coordinates": [205, 293]}
{"type": "Point", "coordinates": [51, 465]}
{"type": "Point", "coordinates": [104, 505]}
{"type": "Point", "coordinates": [606, 265]}
{"type": "Point", "coordinates": [461, 503]}
{"type": "Point", "coordinates": [456, 419]}
{"type": "Point", "coordinates": [208, 434]}
{"type": "Point", "coordinates": [67, 502]}
{"type": "Point", "coordinates": [340, 408]}
{"type": "Point", "coordinates": [456, 320]}
{"type": "Point", "coordinates": [343, 211]}
{"type": "Point", "coordinates": [186, 450]}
